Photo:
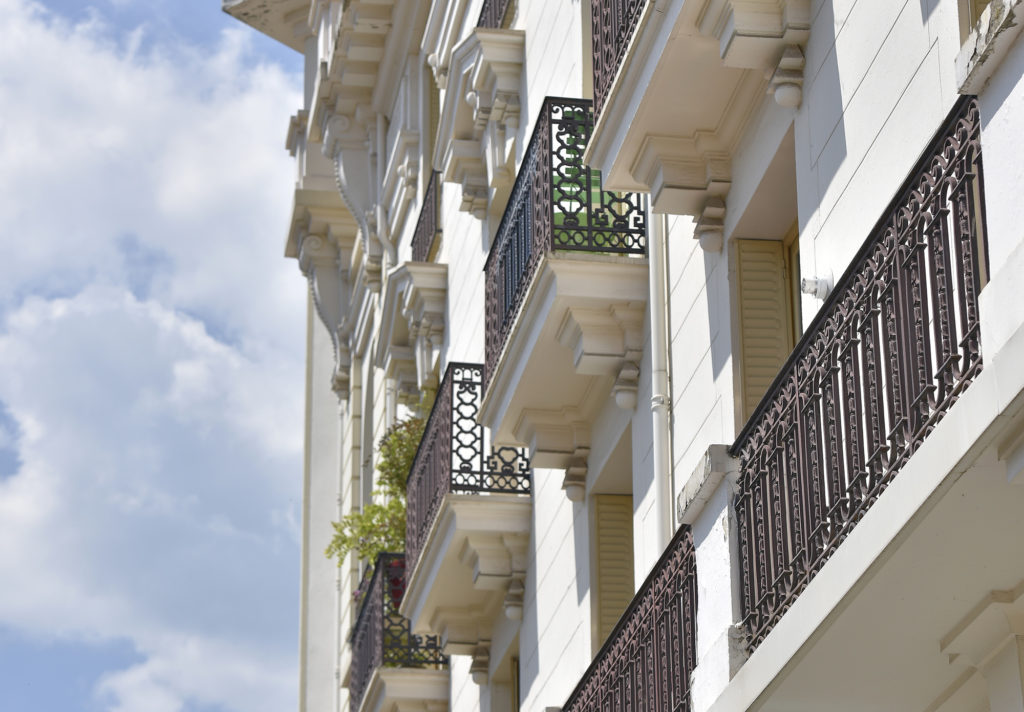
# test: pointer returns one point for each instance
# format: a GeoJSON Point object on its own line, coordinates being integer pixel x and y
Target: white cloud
{"type": "Point", "coordinates": [150, 357]}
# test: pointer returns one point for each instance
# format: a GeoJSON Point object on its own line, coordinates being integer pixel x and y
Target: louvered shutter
{"type": "Point", "coordinates": [764, 315]}
{"type": "Point", "coordinates": [614, 561]}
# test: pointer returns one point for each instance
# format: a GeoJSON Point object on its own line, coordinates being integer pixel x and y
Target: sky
{"type": "Point", "coordinates": [151, 364]}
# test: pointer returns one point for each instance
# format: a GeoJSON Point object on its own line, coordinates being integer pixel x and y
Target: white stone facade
{"type": "Point", "coordinates": [768, 140]}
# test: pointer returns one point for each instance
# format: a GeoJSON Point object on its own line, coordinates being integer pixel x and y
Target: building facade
{"type": "Point", "coordinates": [719, 307]}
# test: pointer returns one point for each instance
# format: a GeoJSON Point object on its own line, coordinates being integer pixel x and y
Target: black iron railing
{"type": "Point", "coordinates": [428, 227]}
{"type": "Point", "coordinates": [381, 637]}
{"type": "Point", "coordinates": [891, 350]}
{"type": "Point", "coordinates": [557, 203]}
{"type": "Point", "coordinates": [494, 14]}
{"type": "Point", "coordinates": [647, 660]}
{"type": "Point", "coordinates": [453, 456]}
{"type": "Point", "coordinates": [613, 23]}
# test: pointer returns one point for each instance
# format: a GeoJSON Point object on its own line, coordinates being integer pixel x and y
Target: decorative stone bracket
{"type": "Point", "coordinates": [498, 562]}
{"type": "Point", "coordinates": [479, 123]}
{"type": "Point", "coordinates": [413, 324]}
{"type": "Point", "coordinates": [788, 79]}
{"type": "Point", "coordinates": [710, 228]}
{"type": "Point", "coordinates": [991, 639]}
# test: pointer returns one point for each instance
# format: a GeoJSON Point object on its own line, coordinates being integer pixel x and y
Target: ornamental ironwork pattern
{"type": "Point", "coordinates": [381, 636]}
{"type": "Point", "coordinates": [613, 23]}
{"type": "Point", "coordinates": [494, 14]}
{"type": "Point", "coordinates": [646, 662]}
{"type": "Point", "coordinates": [453, 456]}
{"type": "Point", "coordinates": [557, 203]}
{"type": "Point", "coordinates": [427, 226]}
{"type": "Point", "coordinates": [891, 350]}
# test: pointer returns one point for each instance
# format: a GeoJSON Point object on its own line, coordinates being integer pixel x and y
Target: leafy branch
{"type": "Point", "coordinates": [380, 525]}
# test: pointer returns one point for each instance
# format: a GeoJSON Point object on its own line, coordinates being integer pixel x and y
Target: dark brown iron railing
{"type": "Point", "coordinates": [646, 662]}
{"type": "Point", "coordinates": [493, 14]}
{"type": "Point", "coordinates": [613, 23]}
{"type": "Point", "coordinates": [452, 456]}
{"type": "Point", "coordinates": [891, 350]}
{"type": "Point", "coordinates": [381, 637]}
{"type": "Point", "coordinates": [557, 203]}
{"type": "Point", "coordinates": [428, 227]}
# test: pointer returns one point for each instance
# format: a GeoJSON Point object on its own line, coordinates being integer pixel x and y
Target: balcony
{"type": "Point", "coordinates": [878, 505]}
{"type": "Point", "coordinates": [647, 660]}
{"type": "Point", "coordinates": [468, 520]}
{"type": "Point", "coordinates": [390, 665]}
{"type": "Point", "coordinates": [428, 225]}
{"type": "Point", "coordinates": [494, 14]}
{"type": "Point", "coordinates": [566, 292]}
{"type": "Point", "coordinates": [414, 307]}
{"type": "Point", "coordinates": [613, 24]}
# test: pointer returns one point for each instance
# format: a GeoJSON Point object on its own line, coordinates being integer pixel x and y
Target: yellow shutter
{"type": "Point", "coordinates": [764, 316]}
{"type": "Point", "coordinates": [613, 587]}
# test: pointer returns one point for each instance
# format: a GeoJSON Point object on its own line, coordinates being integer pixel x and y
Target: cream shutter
{"type": "Point", "coordinates": [613, 587]}
{"type": "Point", "coordinates": [765, 318]}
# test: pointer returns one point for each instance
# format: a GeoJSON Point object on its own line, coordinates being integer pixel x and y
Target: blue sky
{"type": "Point", "coordinates": [151, 365]}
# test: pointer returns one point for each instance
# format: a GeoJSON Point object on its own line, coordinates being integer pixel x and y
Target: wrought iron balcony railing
{"type": "Point", "coordinates": [613, 23]}
{"type": "Point", "coordinates": [381, 637]}
{"type": "Point", "coordinates": [428, 226]}
{"type": "Point", "coordinates": [557, 203]}
{"type": "Point", "coordinates": [646, 662]}
{"type": "Point", "coordinates": [891, 350]}
{"type": "Point", "coordinates": [493, 14]}
{"type": "Point", "coordinates": [452, 456]}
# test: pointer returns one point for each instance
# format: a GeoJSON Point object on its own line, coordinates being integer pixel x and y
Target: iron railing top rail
{"type": "Point", "coordinates": [679, 553]}
{"type": "Point", "coordinates": [613, 23]}
{"type": "Point", "coordinates": [843, 284]}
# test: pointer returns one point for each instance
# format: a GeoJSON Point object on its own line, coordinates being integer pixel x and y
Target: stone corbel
{"type": "Point", "coordinates": [495, 559]}
{"type": "Point", "coordinates": [424, 307]}
{"type": "Point", "coordinates": [602, 341]}
{"type": "Point", "coordinates": [575, 481]}
{"type": "Point", "coordinates": [710, 230]}
{"type": "Point", "coordinates": [479, 669]}
{"type": "Point", "coordinates": [480, 117]}
{"type": "Point", "coordinates": [346, 141]}
{"type": "Point", "coordinates": [513, 603]}
{"type": "Point", "coordinates": [341, 377]}
{"type": "Point", "coordinates": [318, 260]}
{"type": "Point", "coordinates": [625, 387]}
{"type": "Point", "coordinates": [787, 83]}
{"type": "Point", "coordinates": [683, 172]}
{"type": "Point", "coordinates": [460, 629]}
{"type": "Point", "coordinates": [991, 639]}
{"type": "Point", "coordinates": [752, 33]}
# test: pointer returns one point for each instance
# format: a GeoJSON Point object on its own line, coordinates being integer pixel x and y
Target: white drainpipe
{"type": "Point", "coordinates": [382, 216]}
{"type": "Point", "coordinates": [657, 255]}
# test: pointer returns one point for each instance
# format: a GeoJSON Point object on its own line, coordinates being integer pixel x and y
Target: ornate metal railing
{"type": "Point", "coordinates": [557, 203]}
{"type": "Point", "coordinates": [646, 662]}
{"type": "Point", "coordinates": [493, 14]}
{"type": "Point", "coordinates": [891, 350]}
{"type": "Point", "coordinates": [453, 457]}
{"type": "Point", "coordinates": [428, 227]}
{"type": "Point", "coordinates": [613, 23]}
{"type": "Point", "coordinates": [381, 637]}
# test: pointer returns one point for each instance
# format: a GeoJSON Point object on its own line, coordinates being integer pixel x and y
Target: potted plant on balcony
{"type": "Point", "coordinates": [380, 525]}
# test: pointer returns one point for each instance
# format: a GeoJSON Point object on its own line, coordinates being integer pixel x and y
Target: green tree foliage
{"type": "Point", "coordinates": [380, 525]}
